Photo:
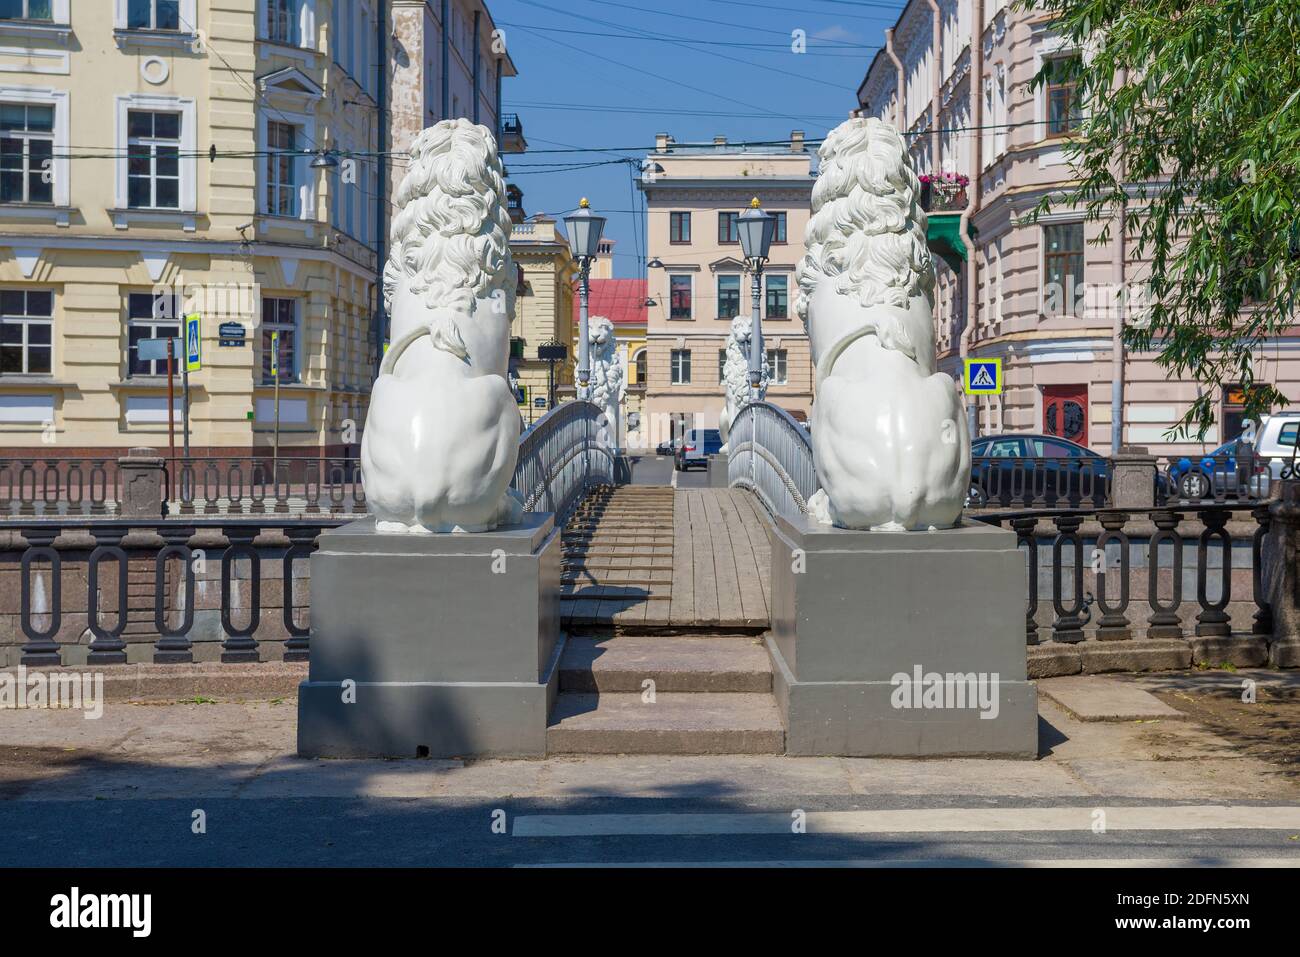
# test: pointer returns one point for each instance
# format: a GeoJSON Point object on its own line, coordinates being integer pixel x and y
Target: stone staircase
{"type": "Point", "coordinates": [624, 686]}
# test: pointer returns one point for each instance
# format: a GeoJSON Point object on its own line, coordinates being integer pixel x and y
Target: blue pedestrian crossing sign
{"type": "Point", "coordinates": [982, 377]}
{"type": "Point", "coordinates": [193, 344]}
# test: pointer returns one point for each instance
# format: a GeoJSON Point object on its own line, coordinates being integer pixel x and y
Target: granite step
{"type": "Point", "coordinates": [720, 664]}
{"type": "Point", "coordinates": [693, 723]}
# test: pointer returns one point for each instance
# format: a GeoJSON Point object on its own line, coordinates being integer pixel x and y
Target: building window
{"type": "Point", "coordinates": [280, 315]}
{"type": "Point", "coordinates": [26, 331]}
{"type": "Point", "coordinates": [26, 153]}
{"type": "Point", "coordinates": [281, 161]}
{"type": "Point", "coordinates": [778, 297]}
{"type": "Point", "coordinates": [728, 228]}
{"type": "Point", "coordinates": [26, 9]}
{"type": "Point", "coordinates": [153, 160]}
{"type": "Point", "coordinates": [153, 15]}
{"type": "Point", "coordinates": [679, 297]}
{"type": "Point", "coordinates": [679, 228]}
{"type": "Point", "coordinates": [1062, 267]}
{"type": "Point", "coordinates": [722, 365]}
{"type": "Point", "coordinates": [778, 366]}
{"type": "Point", "coordinates": [149, 316]}
{"type": "Point", "coordinates": [282, 21]}
{"type": "Point", "coordinates": [728, 297]}
{"type": "Point", "coordinates": [1234, 413]}
{"type": "Point", "coordinates": [681, 366]}
{"type": "Point", "coordinates": [778, 228]}
{"type": "Point", "coordinates": [640, 363]}
{"type": "Point", "coordinates": [1064, 104]}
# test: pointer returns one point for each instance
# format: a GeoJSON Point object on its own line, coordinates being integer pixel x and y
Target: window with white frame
{"type": "Point", "coordinates": [26, 153]}
{"type": "Point", "coordinates": [282, 21]}
{"type": "Point", "coordinates": [281, 169]}
{"type": "Point", "coordinates": [153, 15]}
{"type": "Point", "coordinates": [26, 331]}
{"type": "Point", "coordinates": [778, 366]}
{"type": "Point", "coordinates": [280, 317]}
{"type": "Point", "coordinates": [153, 159]}
{"type": "Point", "coordinates": [149, 316]}
{"type": "Point", "coordinates": [681, 366]}
{"type": "Point", "coordinates": [26, 9]}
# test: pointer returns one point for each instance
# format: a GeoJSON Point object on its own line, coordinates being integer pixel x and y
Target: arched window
{"type": "Point", "coordinates": [640, 360]}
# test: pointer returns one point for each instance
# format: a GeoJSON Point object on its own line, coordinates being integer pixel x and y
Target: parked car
{"type": "Point", "coordinates": [697, 445]}
{"type": "Point", "coordinates": [667, 448]}
{"type": "Point", "coordinates": [1223, 470]}
{"type": "Point", "coordinates": [1019, 468]}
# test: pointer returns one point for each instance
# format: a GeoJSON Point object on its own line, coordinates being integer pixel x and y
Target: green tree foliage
{"type": "Point", "coordinates": [1192, 119]}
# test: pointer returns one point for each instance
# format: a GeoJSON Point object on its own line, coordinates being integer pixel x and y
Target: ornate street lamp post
{"type": "Point", "coordinates": [756, 228]}
{"type": "Point", "coordinates": [584, 228]}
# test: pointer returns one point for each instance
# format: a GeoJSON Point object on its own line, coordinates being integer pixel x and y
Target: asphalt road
{"type": "Point", "coordinates": [658, 470]}
{"type": "Point", "coordinates": [324, 831]}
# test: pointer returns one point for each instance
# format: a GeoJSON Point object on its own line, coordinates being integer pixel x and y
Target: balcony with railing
{"type": "Point", "coordinates": [512, 134]}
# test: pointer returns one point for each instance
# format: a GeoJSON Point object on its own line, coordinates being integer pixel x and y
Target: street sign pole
{"type": "Point", "coordinates": [171, 399]}
{"type": "Point", "coordinates": [275, 375]}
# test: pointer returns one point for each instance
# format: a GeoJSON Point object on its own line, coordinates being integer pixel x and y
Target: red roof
{"type": "Point", "coordinates": [622, 301]}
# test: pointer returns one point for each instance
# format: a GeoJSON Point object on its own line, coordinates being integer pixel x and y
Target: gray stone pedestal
{"type": "Point", "coordinates": [858, 617]}
{"type": "Point", "coordinates": [719, 471]}
{"type": "Point", "coordinates": [622, 470]}
{"type": "Point", "coordinates": [452, 642]}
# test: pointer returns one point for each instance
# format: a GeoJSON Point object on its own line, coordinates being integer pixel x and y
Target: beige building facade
{"type": "Point", "coordinates": [955, 77]}
{"type": "Point", "coordinates": [697, 279]}
{"type": "Point", "coordinates": [163, 159]}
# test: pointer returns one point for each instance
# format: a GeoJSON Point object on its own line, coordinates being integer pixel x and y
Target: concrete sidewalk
{"type": "Point", "coordinates": [245, 750]}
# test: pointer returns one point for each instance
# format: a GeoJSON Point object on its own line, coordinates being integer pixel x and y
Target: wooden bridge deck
{"type": "Point", "coordinates": [655, 557]}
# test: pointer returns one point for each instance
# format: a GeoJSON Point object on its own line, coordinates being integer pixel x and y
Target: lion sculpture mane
{"type": "Point", "coordinates": [735, 375]}
{"type": "Point", "coordinates": [890, 451]}
{"type": "Point", "coordinates": [442, 434]}
{"type": "Point", "coordinates": [608, 375]}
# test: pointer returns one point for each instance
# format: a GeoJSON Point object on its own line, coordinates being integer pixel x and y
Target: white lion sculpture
{"type": "Point", "coordinates": [735, 375]}
{"type": "Point", "coordinates": [442, 433]}
{"type": "Point", "coordinates": [608, 375]}
{"type": "Point", "coordinates": [890, 450]}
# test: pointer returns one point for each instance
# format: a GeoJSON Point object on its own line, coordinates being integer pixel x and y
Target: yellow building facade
{"type": "Point", "coordinates": [542, 309]}
{"type": "Point", "coordinates": [175, 157]}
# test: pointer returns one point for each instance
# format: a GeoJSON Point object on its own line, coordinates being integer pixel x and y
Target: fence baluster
{"type": "Point", "coordinates": [1068, 626]}
{"type": "Point", "coordinates": [106, 644]}
{"type": "Point", "coordinates": [1163, 621]}
{"type": "Point", "coordinates": [1026, 533]}
{"type": "Point", "coordinates": [239, 644]}
{"type": "Point", "coordinates": [1113, 624]}
{"type": "Point", "coordinates": [173, 645]}
{"type": "Point", "coordinates": [41, 647]}
{"type": "Point", "coordinates": [1213, 618]}
{"type": "Point", "coordinates": [1262, 623]}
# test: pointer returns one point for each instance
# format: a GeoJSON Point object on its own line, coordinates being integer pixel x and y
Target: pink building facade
{"type": "Point", "coordinates": [955, 77]}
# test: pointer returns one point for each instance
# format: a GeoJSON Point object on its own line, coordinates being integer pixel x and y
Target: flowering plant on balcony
{"type": "Point", "coordinates": [941, 191]}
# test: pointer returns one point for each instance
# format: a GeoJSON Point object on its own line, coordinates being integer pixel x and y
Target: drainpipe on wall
{"type": "Point", "coordinates": [446, 60]}
{"type": "Point", "coordinates": [380, 331]}
{"type": "Point", "coordinates": [1119, 308]}
{"type": "Point", "coordinates": [900, 114]}
{"type": "Point", "coordinates": [478, 57]}
{"type": "Point", "coordinates": [936, 77]}
{"type": "Point", "coordinates": [976, 87]}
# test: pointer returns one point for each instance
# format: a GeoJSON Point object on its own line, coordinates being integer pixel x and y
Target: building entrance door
{"type": "Point", "coordinates": [1065, 412]}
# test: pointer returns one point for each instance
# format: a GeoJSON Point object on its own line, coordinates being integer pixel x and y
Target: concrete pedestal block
{"type": "Point", "coordinates": [452, 643]}
{"type": "Point", "coordinates": [858, 617]}
{"type": "Point", "coordinates": [719, 471]}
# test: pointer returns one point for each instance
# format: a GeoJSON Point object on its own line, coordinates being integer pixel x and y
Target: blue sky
{"type": "Point", "coordinates": [609, 74]}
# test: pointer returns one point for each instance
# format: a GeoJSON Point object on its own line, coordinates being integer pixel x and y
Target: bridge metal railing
{"type": "Point", "coordinates": [240, 577]}
{"type": "Point", "coordinates": [771, 454]}
{"type": "Point", "coordinates": [564, 453]}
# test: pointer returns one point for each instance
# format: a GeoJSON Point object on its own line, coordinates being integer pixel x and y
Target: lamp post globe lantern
{"type": "Point", "coordinates": [584, 228]}
{"type": "Point", "coordinates": [756, 228]}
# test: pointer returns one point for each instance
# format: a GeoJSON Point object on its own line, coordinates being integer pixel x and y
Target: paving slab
{"type": "Point", "coordinates": [1098, 699]}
